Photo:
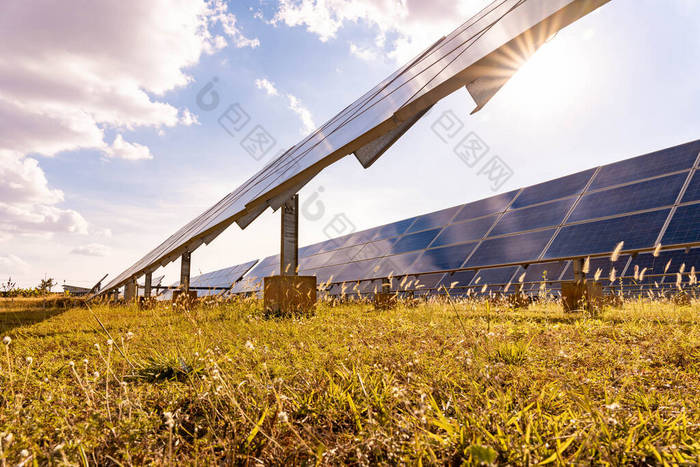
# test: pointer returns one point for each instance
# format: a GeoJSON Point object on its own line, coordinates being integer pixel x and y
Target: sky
{"type": "Point", "coordinates": [111, 140]}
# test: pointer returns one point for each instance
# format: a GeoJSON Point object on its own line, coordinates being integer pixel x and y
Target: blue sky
{"type": "Point", "coordinates": [618, 83]}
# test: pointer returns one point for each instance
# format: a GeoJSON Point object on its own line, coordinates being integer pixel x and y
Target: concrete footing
{"type": "Point", "coordinates": [289, 295]}
{"type": "Point", "coordinates": [577, 295]}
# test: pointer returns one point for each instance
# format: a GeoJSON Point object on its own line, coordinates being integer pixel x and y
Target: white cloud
{"type": "Point", "coordinates": [121, 149]}
{"type": "Point", "coordinates": [11, 264]}
{"type": "Point", "coordinates": [294, 104]}
{"type": "Point", "coordinates": [91, 249]}
{"type": "Point", "coordinates": [414, 23]}
{"type": "Point", "coordinates": [71, 70]}
{"type": "Point", "coordinates": [304, 114]}
{"type": "Point", "coordinates": [267, 86]}
{"type": "Point", "coordinates": [363, 53]}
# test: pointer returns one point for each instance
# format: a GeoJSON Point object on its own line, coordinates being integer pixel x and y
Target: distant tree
{"type": "Point", "coordinates": [46, 285]}
{"type": "Point", "coordinates": [8, 287]}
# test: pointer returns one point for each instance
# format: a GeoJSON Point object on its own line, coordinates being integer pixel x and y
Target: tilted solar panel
{"type": "Point", "coordinates": [557, 220]}
{"type": "Point", "coordinates": [481, 55]}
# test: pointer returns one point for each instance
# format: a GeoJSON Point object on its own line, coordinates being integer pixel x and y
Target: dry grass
{"type": "Point", "coordinates": [438, 383]}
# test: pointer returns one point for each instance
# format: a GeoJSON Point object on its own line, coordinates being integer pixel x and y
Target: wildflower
{"type": "Point", "coordinates": [85, 361]}
{"type": "Point", "coordinates": [129, 335]}
{"type": "Point", "coordinates": [6, 340]}
{"type": "Point", "coordinates": [283, 417]}
{"type": "Point", "coordinates": [613, 406]}
{"type": "Point", "coordinates": [249, 345]}
{"type": "Point", "coordinates": [169, 421]}
{"type": "Point", "coordinates": [96, 374]}
{"type": "Point", "coordinates": [29, 360]}
{"type": "Point", "coordinates": [24, 453]}
{"type": "Point", "coordinates": [71, 364]}
{"type": "Point", "coordinates": [97, 346]}
{"type": "Point", "coordinates": [110, 342]}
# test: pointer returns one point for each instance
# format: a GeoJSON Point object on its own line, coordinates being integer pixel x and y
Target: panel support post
{"type": "Point", "coordinates": [185, 271]}
{"type": "Point", "coordinates": [130, 291]}
{"type": "Point", "coordinates": [289, 256]}
{"type": "Point", "coordinates": [147, 282]}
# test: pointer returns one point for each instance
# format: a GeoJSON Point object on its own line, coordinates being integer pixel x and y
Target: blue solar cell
{"type": "Point", "coordinates": [495, 276]}
{"type": "Point", "coordinates": [692, 193]}
{"type": "Point", "coordinates": [637, 231]}
{"type": "Point", "coordinates": [515, 249]}
{"type": "Point", "coordinates": [357, 271]}
{"type": "Point", "coordinates": [362, 237]}
{"type": "Point", "coordinates": [657, 265]}
{"type": "Point", "coordinates": [684, 226]}
{"type": "Point", "coordinates": [485, 207]}
{"type": "Point", "coordinates": [637, 197]}
{"type": "Point", "coordinates": [465, 231]}
{"type": "Point", "coordinates": [413, 242]}
{"type": "Point", "coordinates": [545, 215]}
{"type": "Point", "coordinates": [393, 230]}
{"type": "Point", "coordinates": [397, 265]}
{"type": "Point", "coordinates": [669, 160]}
{"type": "Point", "coordinates": [457, 279]}
{"type": "Point", "coordinates": [375, 249]}
{"type": "Point", "coordinates": [537, 272]}
{"type": "Point", "coordinates": [442, 259]}
{"type": "Point", "coordinates": [316, 261]}
{"type": "Point", "coordinates": [344, 255]}
{"type": "Point", "coordinates": [434, 219]}
{"type": "Point", "coordinates": [554, 189]}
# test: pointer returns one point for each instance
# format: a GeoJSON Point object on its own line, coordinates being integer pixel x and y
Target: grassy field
{"type": "Point", "coordinates": [433, 384]}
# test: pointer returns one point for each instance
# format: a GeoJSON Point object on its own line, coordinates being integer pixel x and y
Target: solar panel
{"type": "Point", "coordinates": [505, 232]}
{"type": "Point", "coordinates": [482, 55]}
{"type": "Point", "coordinates": [554, 189]}
{"type": "Point", "coordinates": [637, 197]}
{"type": "Point", "coordinates": [692, 193]}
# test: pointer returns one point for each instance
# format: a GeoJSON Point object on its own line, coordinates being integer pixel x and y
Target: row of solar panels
{"type": "Point", "coordinates": [481, 54]}
{"type": "Point", "coordinates": [642, 201]}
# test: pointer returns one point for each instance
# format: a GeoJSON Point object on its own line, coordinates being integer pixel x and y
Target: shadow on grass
{"type": "Point", "coordinates": [15, 318]}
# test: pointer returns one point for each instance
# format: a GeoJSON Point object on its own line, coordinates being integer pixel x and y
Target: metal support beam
{"type": "Point", "coordinates": [579, 275]}
{"type": "Point", "coordinates": [130, 291]}
{"type": "Point", "coordinates": [147, 281]}
{"type": "Point", "coordinates": [185, 271]}
{"type": "Point", "coordinates": [289, 257]}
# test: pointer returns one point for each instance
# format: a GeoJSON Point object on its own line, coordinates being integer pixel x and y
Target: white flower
{"type": "Point", "coordinates": [6, 340]}
{"type": "Point", "coordinates": [283, 417]}
{"type": "Point", "coordinates": [29, 360]}
{"type": "Point", "coordinates": [96, 374]}
{"type": "Point", "coordinates": [85, 361]}
{"type": "Point", "coordinates": [129, 335]}
{"type": "Point", "coordinates": [613, 406]}
{"type": "Point", "coordinates": [24, 453]}
{"type": "Point", "coordinates": [71, 364]}
{"type": "Point", "coordinates": [110, 342]}
{"type": "Point", "coordinates": [97, 346]}
{"type": "Point", "coordinates": [249, 345]}
{"type": "Point", "coordinates": [169, 421]}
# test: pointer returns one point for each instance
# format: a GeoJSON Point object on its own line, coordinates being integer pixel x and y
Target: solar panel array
{"type": "Point", "coordinates": [480, 54]}
{"type": "Point", "coordinates": [216, 282]}
{"type": "Point", "coordinates": [642, 201]}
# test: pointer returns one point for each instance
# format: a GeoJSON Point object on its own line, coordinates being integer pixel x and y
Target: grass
{"type": "Point", "coordinates": [436, 383]}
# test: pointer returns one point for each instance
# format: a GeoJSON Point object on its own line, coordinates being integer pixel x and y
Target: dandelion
{"type": "Point", "coordinates": [6, 340]}
{"type": "Point", "coordinates": [657, 250]}
{"type": "Point", "coordinates": [249, 345]}
{"type": "Point", "coordinates": [616, 252]}
{"type": "Point", "coordinates": [71, 364]}
{"type": "Point", "coordinates": [29, 360]}
{"type": "Point", "coordinates": [96, 374]}
{"type": "Point", "coordinates": [169, 420]}
{"type": "Point", "coordinates": [24, 453]}
{"type": "Point", "coordinates": [613, 406]}
{"type": "Point", "coordinates": [97, 346]}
